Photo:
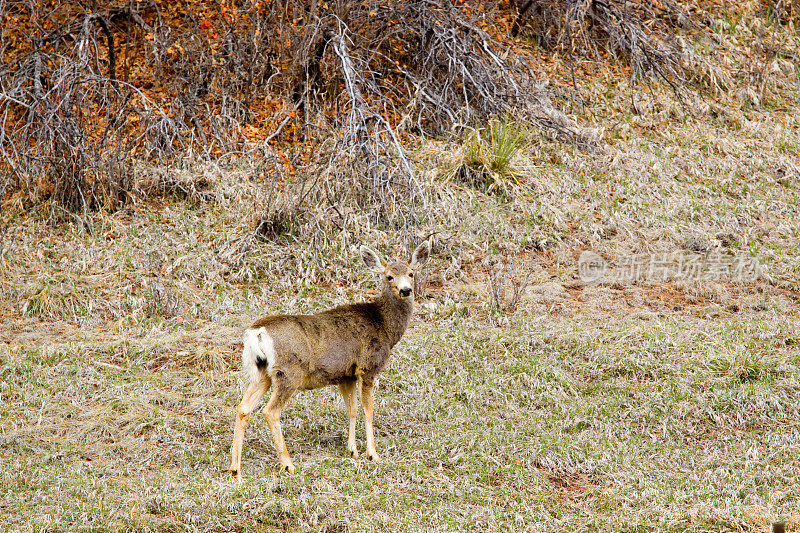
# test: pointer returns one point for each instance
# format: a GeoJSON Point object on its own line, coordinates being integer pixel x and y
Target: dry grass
{"type": "Point", "coordinates": [653, 406]}
{"type": "Point", "coordinates": [547, 425]}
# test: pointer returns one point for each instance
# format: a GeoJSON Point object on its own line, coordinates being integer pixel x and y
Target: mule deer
{"type": "Point", "coordinates": [341, 346]}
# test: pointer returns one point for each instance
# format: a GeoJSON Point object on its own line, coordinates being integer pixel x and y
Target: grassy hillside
{"type": "Point", "coordinates": [521, 397]}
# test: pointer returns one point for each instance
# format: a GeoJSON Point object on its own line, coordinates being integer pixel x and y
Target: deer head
{"type": "Point", "coordinates": [397, 277]}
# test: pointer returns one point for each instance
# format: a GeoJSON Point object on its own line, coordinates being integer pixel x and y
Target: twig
{"type": "Point", "coordinates": [282, 124]}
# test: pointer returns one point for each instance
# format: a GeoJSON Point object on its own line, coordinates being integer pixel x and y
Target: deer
{"type": "Point", "coordinates": [345, 346]}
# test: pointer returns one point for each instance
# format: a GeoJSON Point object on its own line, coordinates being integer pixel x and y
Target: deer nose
{"type": "Point", "coordinates": [405, 291]}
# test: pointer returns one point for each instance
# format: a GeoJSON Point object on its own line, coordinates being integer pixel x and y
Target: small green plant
{"type": "Point", "coordinates": [48, 300]}
{"type": "Point", "coordinates": [749, 362]}
{"type": "Point", "coordinates": [40, 302]}
{"type": "Point", "coordinates": [490, 155]}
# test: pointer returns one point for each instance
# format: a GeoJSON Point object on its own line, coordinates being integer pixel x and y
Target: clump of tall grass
{"type": "Point", "coordinates": [745, 362]}
{"type": "Point", "coordinates": [490, 156]}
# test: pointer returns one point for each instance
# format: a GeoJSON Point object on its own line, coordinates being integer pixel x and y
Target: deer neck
{"type": "Point", "coordinates": [396, 313]}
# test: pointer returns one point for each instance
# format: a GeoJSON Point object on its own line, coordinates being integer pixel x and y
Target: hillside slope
{"type": "Point", "coordinates": [531, 391]}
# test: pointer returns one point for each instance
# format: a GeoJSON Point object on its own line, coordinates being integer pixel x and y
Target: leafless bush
{"type": "Point", "coordinates": [383, 65]}
{"type": "Point", "coordinates": [70, 128]}
{"type": "Point", "coordinates": [87, 94]}
{"type": "Point", "coordinates": [646, 34]}
{"type": "Point", "coordinates": [508, 285]}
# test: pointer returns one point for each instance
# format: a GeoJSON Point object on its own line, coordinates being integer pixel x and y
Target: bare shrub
{"type": "Point", "coordinates": [89, 93]}
{"type": "Point", "coordinates": [508, 285]}
{"type": "Point", "coordinates": [70, 126]}
{"type": "Point", "coordinates": [648, 35]}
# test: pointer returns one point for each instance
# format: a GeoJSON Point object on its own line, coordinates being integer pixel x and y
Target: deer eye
{"type": "Point", "coordinates": [410, 274]}
{"type": "Point", "coordinates": [390, 278]}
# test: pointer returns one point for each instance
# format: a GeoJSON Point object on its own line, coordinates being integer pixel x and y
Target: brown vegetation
{"type": "Point", "coordinates": [230, 158]}
{"type": "Point", "coordinates": [90, 95]}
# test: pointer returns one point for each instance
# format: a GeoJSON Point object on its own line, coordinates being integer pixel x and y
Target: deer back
{"type": "Point", "coordinates": [330, 347]}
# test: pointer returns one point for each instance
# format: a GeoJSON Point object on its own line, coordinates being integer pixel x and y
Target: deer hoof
{"type": "Point", "coordinates": [353, 453]}
{"type": "Point", "coordinates": [374, 457]}
{"type": "Point", "coordinates": [287, 467]}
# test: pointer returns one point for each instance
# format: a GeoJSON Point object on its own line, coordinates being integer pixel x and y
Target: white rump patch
{"type": "Point", "coordinates": [258, 354]}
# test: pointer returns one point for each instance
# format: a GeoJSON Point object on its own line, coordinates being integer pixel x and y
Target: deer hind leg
{"type": "Point", "coordinates": [251, 397]}
{"type": "Point", "coordinates": [366, 402]}
{"type": "Point", "coordinates": [348, 388]}
{"type": "Point", "coordinates": [272, 412]}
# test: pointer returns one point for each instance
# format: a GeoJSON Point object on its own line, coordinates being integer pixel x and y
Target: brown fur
{"type": "Point", "coordinates": [343, 346]}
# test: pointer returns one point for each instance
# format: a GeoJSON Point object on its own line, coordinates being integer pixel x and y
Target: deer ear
{"type": "Point", "coordinates": [421, 254]}
{"type": "Point", "coordinates": [372, 259]}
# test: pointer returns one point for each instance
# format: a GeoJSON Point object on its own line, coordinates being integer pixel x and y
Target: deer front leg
{"type": "Point", "coordinates": [272, 413]}
{"type": "Point", "coordinates": [348, 388]}
{"type": "Point", "coordinates": [366, 402]}
{"type": "Point", "coordinates": [251, 397]}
